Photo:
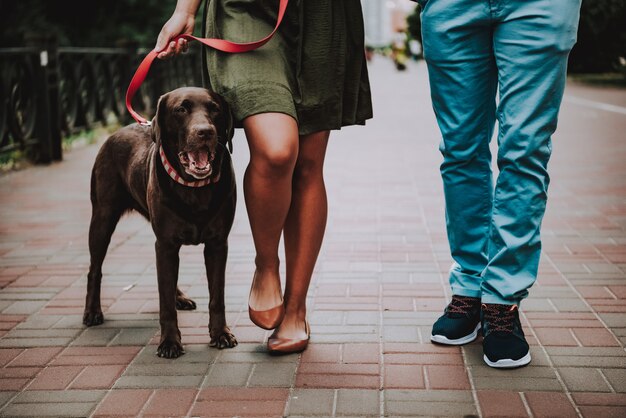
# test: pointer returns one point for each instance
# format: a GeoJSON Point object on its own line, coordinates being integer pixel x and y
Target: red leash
{"type": "Point", "coordinates": [219, 44]}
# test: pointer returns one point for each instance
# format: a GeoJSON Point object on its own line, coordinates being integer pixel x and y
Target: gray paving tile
{"type": "Point", "coordinates": [154, 382]}
{"type": "Point", "coordinates": [358, 403]}
{"type": "Point", "coordinates": [311, 402]}
{"type": "Point", "coordinates": [40, 322]}
{"type": "Point", "coordinates": [134, 336]}
{"type": "Point", "coordinates": [579, 379]}
{"type": "Point", "coordinates": [228, 374]}
{"type": "Point", "coordinates": [570, 305]}
{"type": "Point", "coordinates": [273, 375]}
{"type": "Point", "coordinates": [172, 369]}
{"type": "Point", "coordinates": [617, 378]}
{"type": "Point", "coordinates": [35, 342]}
{"type": "Point", "coordinates": [428, 396]}
{"type": "Point", "coordinates": [5, 397]}
{"type": "Point", "coordinates": [24, 307]}
{"type": "Point", "coordinates": [60, 396]}
{"type": "Point", "coordinates": [98, 336]}
{"type": "Point", "coordinates": [48, 410]}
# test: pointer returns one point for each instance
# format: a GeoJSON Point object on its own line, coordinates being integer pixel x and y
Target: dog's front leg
{"type": "Point", "coordinates": [215, 262]}
{"type": "Point", "coordinates": [167, 275]}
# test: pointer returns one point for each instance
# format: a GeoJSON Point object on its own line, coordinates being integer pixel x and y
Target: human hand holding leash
{"type": "Point", "coordinates": [182, 21]}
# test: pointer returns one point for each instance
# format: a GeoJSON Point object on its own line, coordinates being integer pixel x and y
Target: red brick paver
{"type": "Point", "coordinates": [380, 282]}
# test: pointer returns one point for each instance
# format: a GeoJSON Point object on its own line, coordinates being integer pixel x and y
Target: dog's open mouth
{"type": "Point", "coordinates": [197, 163]}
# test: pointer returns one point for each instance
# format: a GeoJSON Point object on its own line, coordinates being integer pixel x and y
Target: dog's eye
{"type": "Point", "coordinates": [181, 109]}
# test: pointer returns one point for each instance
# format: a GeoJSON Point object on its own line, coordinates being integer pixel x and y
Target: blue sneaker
{"type": "Point", "coordinates": [459, 323]}
{"type": "Point", "coordinates": [504, 344]}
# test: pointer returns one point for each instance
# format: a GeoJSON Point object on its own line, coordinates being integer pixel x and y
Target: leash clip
{"type": "Point", "coordinates": [146, 123]}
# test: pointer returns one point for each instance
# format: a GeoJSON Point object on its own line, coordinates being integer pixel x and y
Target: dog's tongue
{"type": "Point", "coordinates": [199, 158]}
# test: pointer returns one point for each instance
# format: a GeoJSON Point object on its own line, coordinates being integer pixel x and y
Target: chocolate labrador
{"type": "Point", "coordinates": [178, 174]}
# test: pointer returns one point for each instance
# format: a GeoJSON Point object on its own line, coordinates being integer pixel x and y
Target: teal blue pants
{"type": "Point", "coordinates": [514, 51]}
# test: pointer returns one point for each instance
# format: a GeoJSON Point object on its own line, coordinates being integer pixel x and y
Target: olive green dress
{"type": "Point", "coordinates": [314, 68]}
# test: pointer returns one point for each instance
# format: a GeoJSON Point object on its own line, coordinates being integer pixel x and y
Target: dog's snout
{"type": "Point", "coordinates": [204, 131]}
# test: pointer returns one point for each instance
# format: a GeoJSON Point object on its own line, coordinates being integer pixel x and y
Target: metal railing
{"type": "Point", "coordinates": [49, 92]}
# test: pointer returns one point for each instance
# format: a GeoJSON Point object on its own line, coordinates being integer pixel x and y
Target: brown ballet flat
{"type": "Point", "coordinates": [277, 345]}
{"type": "Point", "coordinates": [268, 319]}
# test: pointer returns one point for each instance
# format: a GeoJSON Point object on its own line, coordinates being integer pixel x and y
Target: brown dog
{"type": "Point", "coordinates": [178, 174]}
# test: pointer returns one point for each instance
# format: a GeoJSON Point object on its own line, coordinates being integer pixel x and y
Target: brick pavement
{"type": "Point", "coordinates": [379, 284]}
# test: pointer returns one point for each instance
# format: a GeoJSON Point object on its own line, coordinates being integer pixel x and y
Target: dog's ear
{"type": "Point", "coordinates": [229, 123]}
{"type": "Point", "coordinates": [228, 130]}
{"type": "Point", "coordinates": [158, 121]}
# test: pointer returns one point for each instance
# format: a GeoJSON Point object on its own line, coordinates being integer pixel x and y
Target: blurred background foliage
{"type": "Point", "coordinates": [86, 23]}
{"type": "Point", "coordinates": [104, 23]}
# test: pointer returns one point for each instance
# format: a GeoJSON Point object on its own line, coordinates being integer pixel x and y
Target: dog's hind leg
{"type": "Point", "coordinates": [183, 303]}
{"type": "Point", "coordinates": [104, 219]}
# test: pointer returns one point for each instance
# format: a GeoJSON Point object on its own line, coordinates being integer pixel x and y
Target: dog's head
{"type": "Point", "coordinates": [194, 126]}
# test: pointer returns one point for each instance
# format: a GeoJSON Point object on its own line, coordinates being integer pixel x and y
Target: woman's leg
{"type": "Point", "coordinates": [273, 141]}
{"type": "Point", "coordinates": [304, 231]}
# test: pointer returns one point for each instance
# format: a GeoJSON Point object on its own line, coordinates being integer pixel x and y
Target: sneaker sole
{"type": "Point", "coordinates": [508, 363]}
{"type": "Point", "coordinates": [441, 339]}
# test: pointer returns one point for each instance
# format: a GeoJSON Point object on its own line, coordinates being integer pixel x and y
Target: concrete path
{"type": "Point", "coordinates": [379, 284]}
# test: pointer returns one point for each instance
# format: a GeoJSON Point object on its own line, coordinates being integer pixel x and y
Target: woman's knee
{"type": "Point", "coordinates": [273, 141]}
{"type": "Point", "coordinates": [276, 158]}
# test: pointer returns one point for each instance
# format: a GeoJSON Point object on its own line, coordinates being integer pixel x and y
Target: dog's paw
{"type": "Point", "coordinates": [170, 349]}
{"type": "Point", "coordinates": [93, 318]}
{"type": "Point", "coordinates": [223, 340]}
{"type": "Point", "coordinates": [185, 304]}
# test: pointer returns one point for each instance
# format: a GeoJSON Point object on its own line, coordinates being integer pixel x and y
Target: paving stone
{"type": "Point", "coordinates": [430, 409]}
{"type": "Point", "coordinates": [82, 409]}
{"type": "Point", "coordinates": [123, 402]}
{"type": "Point", "coordinates": [35, 342]}
{"type": "Point", "coordinates": [400, 334]}
{"type": "Point", "coordinates": [59, 396]}
{"type": "Point", "coordinates": [5, 397]}
{"type": "Point", "coordinates": [311, 402]}
{"type": "Point", "coordinates": [134, 336]}
{"type": "Point", "coordinates": [254, 357]}
{"type": "Point", "coordinates": [520, 384]}
{"type": "Point", "coordinates": [500, 403]}
{"type": "Point", "coordinates": [170, 402]}
{"type": "Point", "coordinates": [152, 382]}
{"type": "Point", "coordinates": [617, 378]}
{"type": "Point", "coordinates": [549, 404]}
{"type": "Point", "coordinates": [588, 361]}
{"type": "Point", "coordinates": [97, 377]}
{"type": "Point", "coordinates": [40, 322]}
{"type": "Point", "coordinates": [228, 374]}
{"type": "Point", "coordinates": [583, 380]}
{"type": "Point", "coordinates": [273, 375]}
{"type": "Point", "coordinates": [24, 307]}
{"type": "Point", "coordinates": [42, 333]}
{"type": "Point", "coordinates": [358, 402]}
{"type": "Point", "coordinates": [55, 378]}
{"type": "Point", "coordinates": [35, 357]}
{"type": "Point", "coordinates": [172, 369]}
{"type": "Point", "coordinates": [98, 337]}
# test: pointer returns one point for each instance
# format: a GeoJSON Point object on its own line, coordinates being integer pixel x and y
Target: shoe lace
{"type": "Point", "coordinates": [462, 304]}
{"type": "Point", "coordinates": [500, 317]}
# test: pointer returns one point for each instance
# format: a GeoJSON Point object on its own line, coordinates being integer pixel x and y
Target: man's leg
{"type": "Point", "coordinates": [457, 40]}
{"type": "Point", "coordinates": [532, 40]}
